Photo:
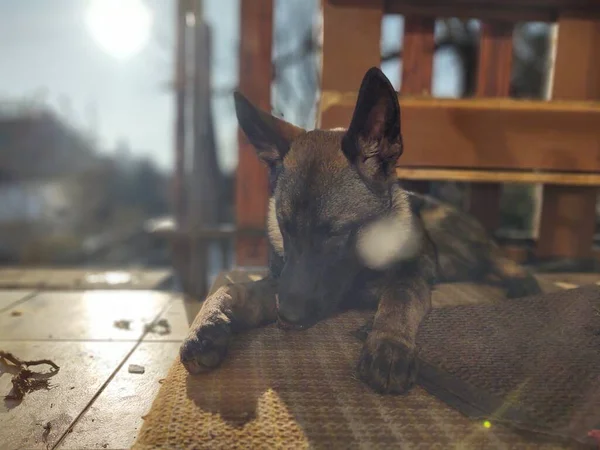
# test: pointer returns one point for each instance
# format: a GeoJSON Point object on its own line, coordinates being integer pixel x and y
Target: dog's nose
{"type": "Point", "coordinates": [292, 310]}
{"type": "Point", "coordinates": [292, 319]}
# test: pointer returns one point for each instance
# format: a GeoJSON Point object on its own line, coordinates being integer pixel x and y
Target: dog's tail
{"type": "Point", "coordinates": [515, 279]}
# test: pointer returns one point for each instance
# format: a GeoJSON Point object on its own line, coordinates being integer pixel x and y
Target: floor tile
{"type": "Point", "coordinates": [87, 315]}
{"type": "Point", "coordinates": [123, 279]}
{"type": "Point", "coordinates": [10, 276]}
{"type": "Point", "coordinates": [84, 368]}
{"type": "Point", "coordinates": [579, 279]}
{"type": "Point", "coordinates": [116, 415]}
{"type": "Point", "coordinates": [179, 316]}
{"type": "Point", "coordinates": [88, 278]}
{"type": "Point", "coordinates": [12, 296]}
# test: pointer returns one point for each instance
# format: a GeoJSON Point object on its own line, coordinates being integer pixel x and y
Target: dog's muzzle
{"type": "Point", "coordinates": [284, 324]}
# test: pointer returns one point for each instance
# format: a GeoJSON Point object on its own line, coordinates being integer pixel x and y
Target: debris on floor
{"type": "Point", "coordinates": [25, 381]}
{"type": "Point", "coordinates": [122, 324]}
{"type": "Point", "coordinates": [162, 327]}
{"type": "Point", "coordinates": [47, 427]}
{"type": "Point", "coordinates": [134, 368]}
{"type": "Point", "coordinates": [16, 313]}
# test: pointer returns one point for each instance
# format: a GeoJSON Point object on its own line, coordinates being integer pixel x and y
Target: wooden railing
{"type": "Point", "coordinates": [485, 140]}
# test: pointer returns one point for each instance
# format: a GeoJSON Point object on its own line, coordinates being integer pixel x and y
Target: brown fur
{"type": "Point", "coordinates": [344, 234]}
{"type": "Point", "coordinates": [232, 308]}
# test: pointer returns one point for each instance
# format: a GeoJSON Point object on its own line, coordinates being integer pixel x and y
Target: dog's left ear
{"type": "Point", "coordinates": [270, 136]}
{"type": "Point", "coordinates": [373, 142]}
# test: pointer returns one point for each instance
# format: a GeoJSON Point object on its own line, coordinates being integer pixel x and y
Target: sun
{"type": "Point", "coordinates": [120, 27]}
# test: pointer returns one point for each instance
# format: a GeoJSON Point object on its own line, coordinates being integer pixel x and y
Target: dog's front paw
{"type": "Point", "coordinates": [205, 347]}
{"type": "Point", "coordinates": [522, 287]}
{"type": "Point", "coordinates": [387, 366]}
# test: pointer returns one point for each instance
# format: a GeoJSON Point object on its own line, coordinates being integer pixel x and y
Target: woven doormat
{"type": "Point", "coordinates": [292, 390]}
{"type": "Point", "coordinates": [532, 363]}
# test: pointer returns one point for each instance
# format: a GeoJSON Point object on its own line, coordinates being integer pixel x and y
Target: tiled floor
{"type": "Point", "coordinates": [88, 278]}
{"type": "Point", "coordinates": [93, 400]}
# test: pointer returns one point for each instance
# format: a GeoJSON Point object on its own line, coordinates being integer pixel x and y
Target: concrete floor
{"type": "Point", "coordinates": [93, 401]}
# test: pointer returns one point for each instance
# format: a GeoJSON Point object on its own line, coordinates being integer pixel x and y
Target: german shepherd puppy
{"type": "Point", "coordinates": [344, 234]}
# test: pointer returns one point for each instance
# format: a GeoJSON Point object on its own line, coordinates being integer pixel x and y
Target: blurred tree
{"type": "Point", "coordinates": [148, 188]}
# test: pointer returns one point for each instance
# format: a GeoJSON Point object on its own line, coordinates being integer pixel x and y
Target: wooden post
{"type": "Point", "coordinates": [568, 216]}
{"type": "Point", "coordinates": [418, 49]}
{"type": "Point", "coordinates": [347, 55]}
{"type": "Point", "coordinates": [180, 83]}
{"type": "Point", "coordinates": [256, 41]}
{"type": "Point", "coordinates": [205, 180]}
{"type": "Point", "coordinates": [180, 247]}
{"type": "Point", "coordinates": [493, 80]}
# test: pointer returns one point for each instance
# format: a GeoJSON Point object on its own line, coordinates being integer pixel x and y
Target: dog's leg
{"type": "Point", "coordinates": [230, 309]}
{"type": "Point", "coordinates": [513, 278]}
{"type": "Point", "coordinates": [387, 361]}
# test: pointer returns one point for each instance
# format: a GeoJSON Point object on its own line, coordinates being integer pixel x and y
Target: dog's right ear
{"type": "Point", "coordinates": [373, 142]}
{"type": "Point", "coordinates": [270, 136]}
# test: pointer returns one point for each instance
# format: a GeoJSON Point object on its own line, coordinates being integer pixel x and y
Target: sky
{"type": "Point", "coordinates": [49, 53]}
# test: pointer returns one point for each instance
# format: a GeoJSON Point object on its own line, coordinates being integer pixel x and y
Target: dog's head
{"type": "Point", "coordinates": [335, 209]}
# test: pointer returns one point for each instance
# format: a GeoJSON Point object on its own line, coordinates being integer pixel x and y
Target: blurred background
{"type": "Point", "coordinates": [88, 119]}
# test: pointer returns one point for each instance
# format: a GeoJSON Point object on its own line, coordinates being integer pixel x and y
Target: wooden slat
{"type": "Point", "coordinates": [351, 45]}
{"type": "Point", "coordinates": [490, 133]}
{"type": "Point", "coordinates": [493, 80]}
{"type": "Point", "coordinates": [417, 56]}
{"type": "Point", "coordinates": [511, 10]}
{"type": "Point", "coordinates": [514, 11]}
{"type": "Point", "coordinates": [180, 253]}
{"type": "Point", "coordinates": [203, 208]}
{"type": "Point", "coordinates": [495, 59]}
{"type": "Point", "coordinates": [568, 214]}
{"type": "Point", "coordinates": [222, 231]}
{"type": "Point", "coordinates": [256, 41]}
{"type": "Point", "coordinates": [179, 193]}
{"type": "Point", "coordinates": [568, 222]}
{"type": "Point", "coordinates": [418, 49]}
{"type": "Point", "coordinates": [500, 176]}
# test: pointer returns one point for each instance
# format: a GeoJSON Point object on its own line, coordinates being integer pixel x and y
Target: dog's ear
{"type": "Point", "coordinates": [373, 142]}
{"type": "Point", "coordinates": [269, 135]}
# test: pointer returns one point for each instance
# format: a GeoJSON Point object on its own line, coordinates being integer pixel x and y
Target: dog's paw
{"type": "Point", "coordinates": [521, 287]}
{"type": "Point", "coordinates": [363, 332]}
{"type": "Point", "coordinates": [387, 366]}
{"type": "Point", "coordinates": [205, 347]}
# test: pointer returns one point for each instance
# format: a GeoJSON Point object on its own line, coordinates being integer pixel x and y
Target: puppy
{"type": "Point", "coordinates": [344, 234]}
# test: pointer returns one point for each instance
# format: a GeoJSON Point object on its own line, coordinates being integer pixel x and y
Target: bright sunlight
{"type": "Point", "coordinates": [120, 27]}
